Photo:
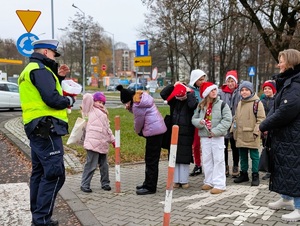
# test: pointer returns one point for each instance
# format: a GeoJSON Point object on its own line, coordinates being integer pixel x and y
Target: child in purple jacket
{"type": "Point", "coordinates": [149, 123]}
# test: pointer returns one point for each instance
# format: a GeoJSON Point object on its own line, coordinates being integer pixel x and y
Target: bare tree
{"type": "Point", "coordinates": [97, 43]}
{"type": "Point", "coordinates": [282, 16]}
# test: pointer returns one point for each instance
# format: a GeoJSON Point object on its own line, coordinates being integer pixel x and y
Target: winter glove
{"type": "Point", "coordinates": [71, 100]}
{"type": "Point", "coordinates": [113, 144]}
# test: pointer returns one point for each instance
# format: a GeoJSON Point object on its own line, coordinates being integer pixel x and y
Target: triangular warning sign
{"type": "Point", "coordinates": [28, 18]}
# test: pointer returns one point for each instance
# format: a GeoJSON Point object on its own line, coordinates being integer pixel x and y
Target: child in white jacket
{"type": "Point", "coordinates": [98, 137]}
{"type": "Point", "coordinates": [213, 119]}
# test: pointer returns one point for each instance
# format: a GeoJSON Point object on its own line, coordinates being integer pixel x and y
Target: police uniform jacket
{"type": "Point", "coordinates": [45, 83]}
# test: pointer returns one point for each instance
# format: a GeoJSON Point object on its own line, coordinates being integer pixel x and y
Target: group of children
{"type": "Point", "coordinates": [233, 115]}
{"type": "Point", "coordinates": [206, 116]}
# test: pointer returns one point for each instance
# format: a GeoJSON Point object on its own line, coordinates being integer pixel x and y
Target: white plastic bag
{"type": "Point", "coordinates": [78, 132]}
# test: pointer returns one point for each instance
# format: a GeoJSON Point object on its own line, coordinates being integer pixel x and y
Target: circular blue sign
{"type": "Point", "coordinates": [24, 44]}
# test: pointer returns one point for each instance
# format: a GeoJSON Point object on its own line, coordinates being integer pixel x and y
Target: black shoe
{"type": "Point", "coordinates": [255, 179]}
{"type": "Point", "coordinates": [139, 187]}
{"type": "Point", "coordinates": [106, 187]}
{"type": "Point", "coordinates": [144, 191]}
{"type": "Point", "coordinates": [242, 178]}
{"type": "Point", "coordinates": [87, 190]}
{"type": "Point", "coordinates": [52, 223]}
{"type": "Point", "coordinates": [196, 171]}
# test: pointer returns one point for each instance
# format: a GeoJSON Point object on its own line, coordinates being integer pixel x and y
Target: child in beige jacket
{"type": "Point", "coordinates": [249, 114]}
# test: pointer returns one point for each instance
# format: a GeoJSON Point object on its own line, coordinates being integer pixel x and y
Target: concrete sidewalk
{"type": "Point", "coordinates": [239, 205]}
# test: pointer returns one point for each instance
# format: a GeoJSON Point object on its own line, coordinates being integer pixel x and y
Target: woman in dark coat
{"type": "Point", "coordinates": [182, 102]}
{"type": "Point", "coordinates": [283, 126]}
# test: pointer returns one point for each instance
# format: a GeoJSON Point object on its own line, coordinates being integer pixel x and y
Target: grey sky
{"type": "Point", "coordinates": [120, 17]}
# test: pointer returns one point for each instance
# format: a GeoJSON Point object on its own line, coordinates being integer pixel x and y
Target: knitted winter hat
{"type": "Point", "coordinates": [271, 84]}
{"type": "Point", "coordinates": [99, 96]}
{"type": "Point", "coordinates": [126, 95]}
{"type": "Point", "coordinates": [179, 91]}
{"type": "Point", "coordinates": [246, 84]}
{"type": "Point", "coordinates": [206, 88]}
{"type": "Point", "coordinates": [232, 74]}
{"type": "Point", "coordinates": [195, 75]}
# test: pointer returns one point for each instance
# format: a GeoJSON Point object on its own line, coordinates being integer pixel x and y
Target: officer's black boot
{"type": "Point", "coordinates": [242, 178]}
{"type": "Point", "coordinates": [255, 179]}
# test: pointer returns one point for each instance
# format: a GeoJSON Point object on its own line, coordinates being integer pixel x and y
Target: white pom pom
{"type": "Point", "coordinates": [165, 102]}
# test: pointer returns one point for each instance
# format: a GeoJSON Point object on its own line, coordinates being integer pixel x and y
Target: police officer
{"type": "Point", "coordinates": [45, 121]}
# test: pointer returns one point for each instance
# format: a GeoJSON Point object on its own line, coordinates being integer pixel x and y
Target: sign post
{"type": "Point", "coordinates": [142, 58]}
{"type": "Point", "coordinates": [28, 18]}
{"type": "Point", "coordinates": [142, 61]}
{"type": "Point", "coordinates": [24, 44]}
{"type": "Point", "coordinates": [251, 72]}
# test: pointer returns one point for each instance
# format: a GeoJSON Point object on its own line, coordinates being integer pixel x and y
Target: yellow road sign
{"type": "Point", "coordinates": [28, 18]}
{"type": "Point", "coordinates": [103, 73]}
{"type": "Point", "coordinates": [94, 60]}
{"type": "Point", "coordinates": [142, 61]}
{"type": "Point", "coordinates": [9, 61]}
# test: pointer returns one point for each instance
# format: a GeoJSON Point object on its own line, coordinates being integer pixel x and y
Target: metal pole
{"type": "Point", "coordinates": [52, 16]}
{"type": "Point", "coordinates": [83, 50]}
{"type": "Point", "coordinates": [113, 52]}
{"type": "Point", "coordinates": [83, 56]}
{"type": "Point", "coordinates": [257, 67]}
{"type": "Point", "coordinates": [114, 66]}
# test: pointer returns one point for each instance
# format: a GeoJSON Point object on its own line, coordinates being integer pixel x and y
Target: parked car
{"type": "Point", "coordinates": [136, 86]}
{"type": "Point", "coordinates": [111, 87]}
{"type": "Point", "coordinates": [9, 95]}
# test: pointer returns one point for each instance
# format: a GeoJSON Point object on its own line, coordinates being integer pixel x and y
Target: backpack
{"type": "Point", "coordinates": [255, 107]}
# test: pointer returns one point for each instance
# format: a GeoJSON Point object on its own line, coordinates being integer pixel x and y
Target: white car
{"type": "Point", "coordinates": [9, 95]}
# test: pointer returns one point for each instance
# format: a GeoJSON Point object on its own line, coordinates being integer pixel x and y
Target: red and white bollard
{"type": "Point", "coordinates": [117, 154]}
{"type": "Point", "coordinates": [171, 169]}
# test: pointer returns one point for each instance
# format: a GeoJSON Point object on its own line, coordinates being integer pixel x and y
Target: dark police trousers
{"type": "Point", "coordinates": [47, 177]}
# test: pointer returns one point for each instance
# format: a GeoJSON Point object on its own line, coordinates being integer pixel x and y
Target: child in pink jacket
{"type": "Point", "coordinates": [98, 137]}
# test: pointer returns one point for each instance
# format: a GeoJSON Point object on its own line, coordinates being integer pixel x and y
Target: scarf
{"type": "Point", "coordinates": [226, 89]}
{"type": "Point", "coordinates": [101, 107]}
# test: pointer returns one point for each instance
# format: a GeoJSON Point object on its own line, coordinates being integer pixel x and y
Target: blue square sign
{"type": "Point", "coordinates": [251, 71]}
{"type": "Point", "coordinates": [142, 48]}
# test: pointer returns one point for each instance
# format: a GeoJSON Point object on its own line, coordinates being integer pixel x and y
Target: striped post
{"type": "Point", "coordinates": [171, 168]}
{"type": "Point", "coordinates": [117, 154]}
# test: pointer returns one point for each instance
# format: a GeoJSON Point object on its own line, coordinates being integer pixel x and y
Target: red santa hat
{"type": "Point", "coordinates": [178, 91]}
{"type": "Point", "coordinates": [271, 84]}
{"type": "Point", "coordinates": [206, 88]}
{"type": "Point", "coordinates": [232, 74]}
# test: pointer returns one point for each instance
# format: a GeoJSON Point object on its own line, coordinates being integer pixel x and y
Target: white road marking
{"type": "Point", "coordinates": [232, 190]}
{"type": "Point", "coordinates": [14, 204]}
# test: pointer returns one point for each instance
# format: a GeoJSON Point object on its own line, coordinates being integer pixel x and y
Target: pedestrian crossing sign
{"type": "Point", "coordinates": [251, 71]}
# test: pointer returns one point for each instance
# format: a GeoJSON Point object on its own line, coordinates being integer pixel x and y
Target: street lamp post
{"type": "Point", "coordinates": [113, 50]}
{"type": "Point", "coordinates": [52, 18]}
{"type": "Point", "coordinates": [83, 50]}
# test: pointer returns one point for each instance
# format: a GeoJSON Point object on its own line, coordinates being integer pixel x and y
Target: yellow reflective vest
{"type": "Point", "coordinates": [31, 101]}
